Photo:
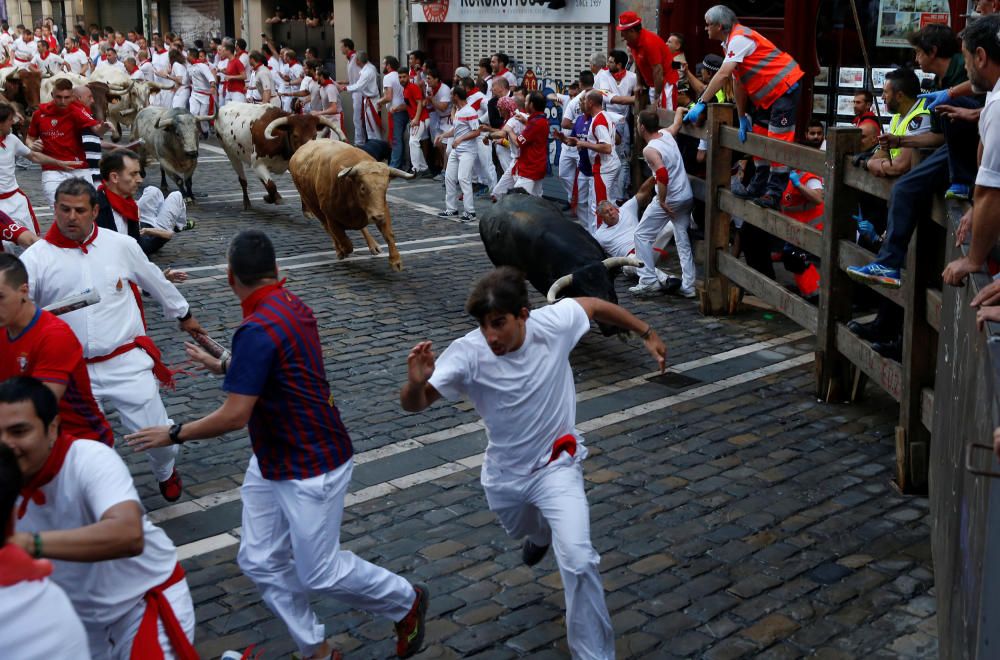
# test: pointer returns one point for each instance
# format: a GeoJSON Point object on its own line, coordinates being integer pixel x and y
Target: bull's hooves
{"type": "Point", "coordinates": [375, 250]}
{"type": "Point", "coordinates": [272, 200]}
{"type": "Point", "coordinates": [397, 266]}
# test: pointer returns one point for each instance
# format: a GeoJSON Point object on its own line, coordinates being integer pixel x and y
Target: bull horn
{"type": "Point", "coordinates": [334, 128]}
{"type": "Point", "coordinates": [153, 83]}
{"type": "Point", "coordinates": [558, 286]}
{"type": "Point", "coordinates": [127, 111]}
{"type": "Point", "coordinates": [399, 174]}
{"type": "Point", "coordinates": [618, 262]}
{"type": "Point", "coordinates": [163, 122]}
{"type": "Point", "coordinates": [345, 172]}
{"type": "Point", "coordinates": [204, 117]}
{"type": "Point", "coordinates": [269, 131]}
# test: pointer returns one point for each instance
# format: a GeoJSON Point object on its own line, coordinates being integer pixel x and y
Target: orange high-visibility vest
{"type": "Point", "coordinates": [795, 205]}
{"type": "Point", "coordinates": [768, 72]}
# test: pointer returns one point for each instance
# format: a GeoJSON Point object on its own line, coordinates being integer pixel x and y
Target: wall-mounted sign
{"type": "Point", "coordinates": [899, 18]}
{"type": "Point", "coordinates": [510, 11]}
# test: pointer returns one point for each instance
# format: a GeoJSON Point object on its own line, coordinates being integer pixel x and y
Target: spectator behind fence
{"type": "Point", "coordinates": [937, 51]}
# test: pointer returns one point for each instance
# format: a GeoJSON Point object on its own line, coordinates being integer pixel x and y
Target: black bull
{"type": "Point", "coordinates": [533, 235]}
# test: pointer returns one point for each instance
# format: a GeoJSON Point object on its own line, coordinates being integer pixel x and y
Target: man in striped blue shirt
{"type": "Point", "coordinates": [293, 491]}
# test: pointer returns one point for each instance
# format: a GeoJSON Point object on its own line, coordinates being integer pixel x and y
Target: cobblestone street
{"type": "Point", "coordinates": [735, 515]}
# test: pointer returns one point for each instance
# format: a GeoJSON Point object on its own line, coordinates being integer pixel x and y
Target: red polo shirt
{"type": "Point", "coordinates": [649, 51]}
{"type": "Point", "coordinates": [411, 95]}
{"type": "Point", "coordinates": [235, 68]}
{"type": "Point", "coordinates": [534, 144]}
{"type": "Point", "coordinates": [60, 130]}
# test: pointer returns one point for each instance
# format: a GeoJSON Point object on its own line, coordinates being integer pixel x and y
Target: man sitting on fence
{"type": "Point", "coordinates": [936, 47]}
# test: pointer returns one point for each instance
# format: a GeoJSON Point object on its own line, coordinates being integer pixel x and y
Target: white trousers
{"type": "Point", "coordinates": [600, 189]}
{"type": "Point", "coordinates": [459, 173]}
{"type": "Point", "coordinates": [530, 186]}
{"type": "Point", "coordinates": [198, 104]}
{"type": "Point", "coordinates": [164, 98]}
{"type": "Point", "coordinates": [550, 506]}
{"type": "Point", "coordinates": [418, 133]}
{"type": "Point", "coordinates": [505, 157]}
{"type": "Point", "coordinates": [359, 131]}
{"type": "Point", "coordinates": [237, 97]}
{"type": "Point", "coordinates": [52, 178]}
{"type": "Point", "coordinates": [618, 191]}
{"type": "Point", "coordinates": [506, 181]}
{"type": "Point", "coordinates": [372, 119]}
{"type": "Point", "coordinates": [168, 213]}
{"type": "Point", "coordinates": [653, 221]}
{"type": "Point", "coordinates": [126, 381]}
{"type": "Point", "coordinates": [485, 172]}
{"type": "Point", "coordinates": [568, 165]}
{"type": "Point", "coordinates": [585, 210]}
{"type": "Point", "coordinates": [114, 641]}
{"type": "Point", "coordinates": [18, 207]}
{"type": "Point", "coordinates": [181, 98]}
{"type": "Point", "coordinates": [290, 548]}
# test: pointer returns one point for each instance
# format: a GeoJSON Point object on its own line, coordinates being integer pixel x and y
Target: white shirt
{"type": "Point", "coordinates": [367, 83]}
{"type": "Point", "coordinates": [624, 87]}
{"type": "Point", "coordinates": [6, 39]}
{"type": "Point", "coordinates": [313, 101]}
{"type": "Point", "coordinates": [391, 81]}
{"type": "Point", "coordinates": [604, 81]}
{"type": "Point", "coordinates": [13, 147]}
{"type": "Point", "coordinates": [517, 126]}
{"type": "Point", "coordinates": [179, 70]}
{"type": "Point", "coordinates": [602, 131]}
{"type": "Point", "coordinates": [93, 478]}
{"type": "Point", "coordinates": [51, 65]}
{"type": "Point", "coordinates": [466, 121]}
{"type": "Point", "coordinates": [619, 240]}
{"type": "Point", "coordinates": [24, 52]}
{"type": "Point", "coordinates": [738, 49]}
{"type": "Point", "coordinates": [29, 611]}
{"type": "Point", "coordinates": [220, 70]}
{"type": "Point", "coordinates": [526, 398]}
{"type": "Point", "coordinates": [329, 93]}
{"type": "Point", "coordinates": [201, 77]}
{"type": "Point", "coordinates": [678, 186]}
{"type": "Point", "coordinates": [126, 49]}
{"type": "Point", "coordinates": [117, 65]}
{"type": "Point", "coordinates": [989, 135]}
{"type": "Point", "coordinates": [353, 69]}
{"type": "Point", "coordinates": [161, 62]}
{"type": "Point", "coordinates": [112, 261]}
{"type": "Point", "coordinates": [571, 111]}
{"type": "Point", "coordinates": [76, 60]}
{"type": "Point", "coordinates": [294, 73]}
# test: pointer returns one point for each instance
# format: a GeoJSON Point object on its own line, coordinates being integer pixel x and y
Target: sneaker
{"type": "Point", "coordinates": [335, 654]}
{"type": "Point", "coordinates": [686, 293]}
{"type": "Point", "coordinates": [958, 191]}
{"type": "Point", "coordinates": [766, 201]}
{"type": "Point", "coordinates": [190, 224]}
{"type": "Point", "coordinates": [875, 273]}
{"type": "Point", "coordinates": [672, 285]}
{"type": "Point", "coordinates": [531, 554]}
{"type": "Point", "coordinates": [870, 332]}
{"type": "Point", "coordinates": [743, 193]}
{"type": "Point", "coordinates": [891, 349]}
{"type": "Point", "coordinates": [439, 177]}
{"type": "Point", "coordinates": [448, 214]}
{"type": "Point", "coordinates": [171, 488]}
{"type": "Point", "coordinates": [645, 290]}
{"type": "Point", "coordinates": [410, 630]}
{"type": "Point", "coordinates": [468, 217]}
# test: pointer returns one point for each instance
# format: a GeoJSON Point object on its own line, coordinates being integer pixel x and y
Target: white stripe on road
{"type": "Point", "coordinates": [209, 501]}
{"type": "Point", "coordinates": [213, 149]}
{"type": "Point", "coordinates": [424, 476]}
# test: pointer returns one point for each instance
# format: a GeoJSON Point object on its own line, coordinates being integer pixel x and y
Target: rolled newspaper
{"type": "Point", "coordinates": [214, 348]}
{"type": "Point", "coordinates": [73, 303]}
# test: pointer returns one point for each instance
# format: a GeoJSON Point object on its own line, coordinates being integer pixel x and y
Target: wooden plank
{"type": "Point", "coordinates": [786, 302]}
{"type": "Point", "coordinates": [692, 130]}
{"type": "Point", "coordinates": [865, 181]}
{"type": "Point", "coordinates": [852, 254]}
{"type": "Point", "coordinates": [716, 296]}
{"type": "Point", "coordinates": [787, 229]}
{"type": "Point", "coordinates": [934, 309]}
{"type": "Point", "coordinates": [887, 373]}
{"type": "Point", "coordinates": [796, 156]}
{"type": "Point", "coordinates": [927, 408]}
{"type": "Point", "coordinates": [698, 187]}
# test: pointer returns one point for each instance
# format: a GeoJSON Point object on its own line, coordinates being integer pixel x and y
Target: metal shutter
{"type": "Point", "coordinates": [556, 51]}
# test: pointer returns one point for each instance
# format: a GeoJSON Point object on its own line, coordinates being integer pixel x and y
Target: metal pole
{"type": "Point", "coordinates": [147, 23]}
{"type": "Point", "coordinates": [245, 20]}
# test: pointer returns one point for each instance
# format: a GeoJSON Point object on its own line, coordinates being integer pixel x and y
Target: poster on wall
{"type": "Point", "coordinates": [510, 11]}
{"type": "Point", "coordinates": [898, 18]}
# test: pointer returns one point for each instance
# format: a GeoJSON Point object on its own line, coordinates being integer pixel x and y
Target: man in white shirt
{"type": "Point", "coordinates": [392, 98]}
{"type": "Point", "coordinates": [600, 143]}
{"type": "Point", "coordinates": [124, 364]}
{"type": "Point", "coordinates": [24, 50]}
{"type": "Point", "coordinates": [367, 87]}
{"type": "Point", "coordinates": [330, 97]}
{"type": "Point", "coordinates": [357, 100]}
{"type": "Point", "coordinates": [484, 171]}
{"type": "Point", "coordinates": [506, 142]}
{"type": "Point", "coordinates": [74, 57]}
{"type": "Point", "coordinates": [619, 84]}
{"type": "Point", "coordinates": [80, 509]}
{"type": "Point", "coordinates": [160, 57]}
{"type": "Point", "coordinates": [462, 158]}
{"type": "Point", "coordinates": [515, 369]}
{"type": "Point", "coordinates": [46, 61]}
{"type": "Point", "coordinates": [673, 203]}
{"type": "Point", "coordinates": [29, 599]}
{"type": "Point", "coordinates": [308, 90]}
{"type": "Point", "coordinates": [124, 47]}
{"type": "Point", "coordinates": [439, 97]}
{"type": "Point", "coordinates": [110, 61]}
{"type": "Point", "coordinates": [203, 89]}
{"type": "Point", "coordinates": [291, 75]}
{"type": "Point", "coordinates": [569, 157]}
{"type": "Point", "coordinates": [260, 88]}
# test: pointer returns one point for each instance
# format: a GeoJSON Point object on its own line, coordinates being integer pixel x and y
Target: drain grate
{"type": "Point", "coordinates": [674, 381]}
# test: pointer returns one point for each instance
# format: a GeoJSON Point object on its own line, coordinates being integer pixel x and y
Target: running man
{"type": "Point", "coordinates": [515, 369]}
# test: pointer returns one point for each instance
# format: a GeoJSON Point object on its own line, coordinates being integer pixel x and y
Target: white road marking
{"type": "Point", "coordinates": [213, 149]}
{"type": "Point", "coordinates": [208, 501]}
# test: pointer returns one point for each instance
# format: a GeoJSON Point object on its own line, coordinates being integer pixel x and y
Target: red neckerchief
{"type": "Point", "coordinates": [250, 303]}
{"type": "Point", "coordinates": [125, 206]}
{"type": "Point", "coordinates": [502, 71]}
{"type": "Point", "coordinates": [2, 144]}
{"type": "Point", "coordinates": [71, 51]}
{"type": "Point", "coordinates": [57, 238]}
{"type": "Point", "coordinates": [293, 62]}
{"type": "Point", "coordinates": [350, 54]}
{"type": "Point", "coordinates": [618, 76]}
{"type": "Point", "coordinates": [434, 90]}
{"type": "Point", "coordinates": [45, 56]}
{"type": "Point", "coordinates": [160, 51]}
{"type": "Point", "coordinates": [32, 491]}
{"type": "Point", "coordinates": [16, 566]}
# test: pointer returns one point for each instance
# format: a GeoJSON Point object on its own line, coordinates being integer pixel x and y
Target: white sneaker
{"type": "Point", "coordinates": [687, 293]}
{"type": "Point", "coordinates": [646, 290]}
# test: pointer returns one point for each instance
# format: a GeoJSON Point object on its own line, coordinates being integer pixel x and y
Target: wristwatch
{"type": "Point", "coordinates": [175, 434]}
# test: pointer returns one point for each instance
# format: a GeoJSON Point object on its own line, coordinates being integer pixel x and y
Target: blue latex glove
{"type": "Point", "coordinates": [796, 178]}
{"type": "Point", "coordinates": [746, 126]}
{"type": "Point", "coordinates": [694, 114]}
{"type": "Point", "coordinates": [865, 228]}
{"type": "Point", "coordinates": [934, 99]}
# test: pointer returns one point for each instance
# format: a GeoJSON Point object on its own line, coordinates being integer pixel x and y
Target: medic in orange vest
{"type": "Point", "coordinates": [803, 201]}
{"type": "Point", "coordinates": [769, 79]}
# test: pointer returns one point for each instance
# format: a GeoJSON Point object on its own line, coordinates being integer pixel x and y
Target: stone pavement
{"type": "Point", "coordinates": [735, 515]}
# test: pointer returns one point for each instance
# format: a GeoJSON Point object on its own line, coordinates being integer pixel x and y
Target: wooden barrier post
{"type": "Point", "coordinates": [717, 295]}
{"type": "Point", "coordinates": [840, 202]}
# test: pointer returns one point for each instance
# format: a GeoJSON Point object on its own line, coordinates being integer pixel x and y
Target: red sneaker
{"type": "Point", "coordinates": [171, 488]}
{"type": "Point", "coordinates": [410, 630]}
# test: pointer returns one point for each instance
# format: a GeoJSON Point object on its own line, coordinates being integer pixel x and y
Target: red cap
{"type": "Point", "coordinates": [628, 20]}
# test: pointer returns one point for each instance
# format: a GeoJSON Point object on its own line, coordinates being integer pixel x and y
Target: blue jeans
{"type": "Point", "coordinates": [911, 198]}
{"type": "Point", "coordinates": [399, 138]}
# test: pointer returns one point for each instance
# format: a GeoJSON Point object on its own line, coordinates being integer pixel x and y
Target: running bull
{"type": "Point", "coordinates": [171, 136]}
{"type": "Point", "coordinates": [559, 257]}
{"type": "Point", "coordinates": [344, 188]}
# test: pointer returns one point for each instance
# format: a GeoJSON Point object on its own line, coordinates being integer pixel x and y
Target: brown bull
{"type": "Point", "coordinates": [345, 188]}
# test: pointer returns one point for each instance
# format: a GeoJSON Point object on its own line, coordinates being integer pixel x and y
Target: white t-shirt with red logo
{"type": "Point", "coordinates": [739, 48]}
